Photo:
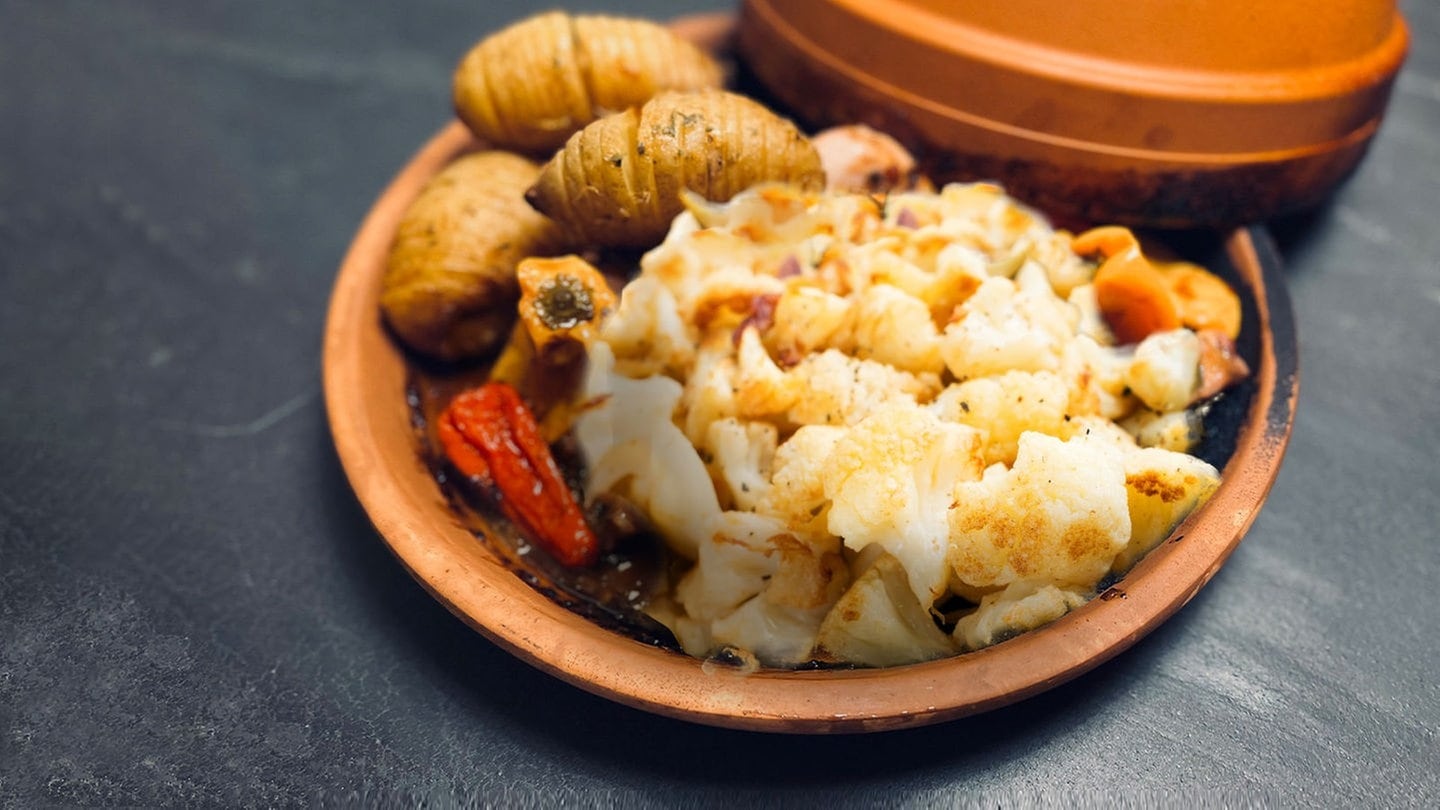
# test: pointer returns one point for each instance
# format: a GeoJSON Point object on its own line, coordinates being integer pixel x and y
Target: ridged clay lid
{"type": "Point", "coordinates": [1206, 113]}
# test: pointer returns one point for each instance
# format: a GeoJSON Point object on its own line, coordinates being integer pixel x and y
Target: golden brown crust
{"type": "Point", "coordinates": [529, 86]}
{"type": "Point", "coordinates": [617, 182]}
{"type": "Point", "coordinates": [449, 289]}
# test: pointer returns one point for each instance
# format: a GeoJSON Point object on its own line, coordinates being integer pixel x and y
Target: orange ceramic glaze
{"type": "Point", "coordinates": [1199, 113]}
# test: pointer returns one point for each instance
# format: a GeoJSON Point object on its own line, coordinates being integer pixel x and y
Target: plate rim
{"type": "Point", "coordinates": [359, 360]}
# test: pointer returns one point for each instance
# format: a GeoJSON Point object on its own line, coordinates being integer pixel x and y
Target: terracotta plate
{"type": "Point", "coordinates": [365, 381]}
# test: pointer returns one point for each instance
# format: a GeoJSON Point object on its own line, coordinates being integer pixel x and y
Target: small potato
{"type": "Point", "coordinates": [449, 289]}
{"type": "Point", "coordinates": [617, 182]}
{"type": "Point", "coordinates": [529, 86]}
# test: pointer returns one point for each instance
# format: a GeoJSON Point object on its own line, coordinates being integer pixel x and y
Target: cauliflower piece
{"type": "Point", "coordinates": [980, 215]}
{"type": "Point", "coordinates": [895, 328]}
{"type": "Point", "coordinates": [1059, 514]}
{"type": "Point", "coordinates": [1021, 606]}
{"type": "Point", "coordinates": [889, 481]}
{"type": "Point", "coordinates": [709, 392]}
{"type": "Point", "coordinates": [1097, 429]}
{"type": "Point", "coordinates": [797, 489]}
{"type": "Point", "coordinates": [1095, 375]}
{"type": "Point", "coordinates": [1174, 430]}
{"type": "Point", "coordinates": [761, 388]}
{"type": "Point", "coordinates": [646, 333]}
{"type": "Point", "coordinates": [760, 589]}
{"type": "Point", "coordinates": [835, 389]}
{"type": "Point", "coordinates": [733, 563]}
{"type": "Point", "coordinates": [807, 320]}
{"type": "Point", "coordinates": [810, 573]}
{"type": "Point", "coordinates": [942, 280]}
{"type": "Point", "coordinates": [1091, 323]}
{"type": "Point", "coordinates": [1067, 271]}
{"type": "Point", "coordinates": [1005, 407]}
{"type": "Point", "coordinates": [1031, 280]}
{"type": "Point", "coordinates": [767, 213]}
{"type": "Point", "coordinates": [832, 319]}
{"type": "Point", "coordinates": [727, 300]}
{"type": "Point", "coordinates": [781, 624]}
{"type": "Point", "coordinates": [777, 635]}
{"type": "Point", "coordinates": [1162, 487]}
{"type": "Point", "coordinates": [997, 331]}
{"type": "Point", "coordinates": [971, 209]}
{"type": "Point", "coordinates": [878, 262]}
{"type": "Point", "coordinates": [853, 219]}
{"type": "Point", "coordinates": [1165, 371]}
{"type": "Point", "coordinates": [959, 271]}
{"type": "Point", "coordinates": [743, 453]}
{"type": "Point", "coordinates": [600, 425]}
{"type": "Point", "coordinates": [688, 253]}
{"type": "Point", "coordinates": [665, 478]}
{"type": "Point", "coordinates": [878, 622]}
{"type": "Point", "coordinates": [630, 440]}
{"type": "Point", "coordinates": [715, 273]}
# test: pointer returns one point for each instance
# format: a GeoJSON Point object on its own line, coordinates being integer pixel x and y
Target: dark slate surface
{"type": "Point", "coordinates": [194, 610]}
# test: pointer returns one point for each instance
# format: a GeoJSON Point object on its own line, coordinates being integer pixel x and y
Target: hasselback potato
{"type": "Point", "coordinates": [529, 86]}
{"type": "Point", "coordinates": [449, 289]}
{"type": "Point", "coordinates": [617, 182]}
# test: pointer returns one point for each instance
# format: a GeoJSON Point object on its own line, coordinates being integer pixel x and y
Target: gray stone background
{"type": "Point", "coordinates": [194, 610]}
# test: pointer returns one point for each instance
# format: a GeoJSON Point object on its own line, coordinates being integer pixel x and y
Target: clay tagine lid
{"type": "Point", "coordinates": [1208, 113]}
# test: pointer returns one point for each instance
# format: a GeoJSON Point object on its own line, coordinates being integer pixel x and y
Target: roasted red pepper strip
{"type": "Point", "coordinates": [462, 455]}
{"type": "Point", "coordinates": [489, 434]}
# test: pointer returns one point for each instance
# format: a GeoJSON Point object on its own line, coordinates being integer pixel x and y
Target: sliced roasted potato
{"type": "Point", "coordinates": [529, 86]}
{"type": "Point", "coordinates": [617, 182]}
{"type": "Point", "coordinates": [449, 289]}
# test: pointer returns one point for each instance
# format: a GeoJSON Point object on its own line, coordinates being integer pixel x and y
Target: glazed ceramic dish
{"type": "Point", "coordinates": [1203, 114]}
{"type": "Point", "coordinates": [365, 383]}
{"type": "Point", "coordinates": [366, 377]}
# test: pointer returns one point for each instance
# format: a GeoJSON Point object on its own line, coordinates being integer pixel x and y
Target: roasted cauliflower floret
{"type": "Point", "coordinates": [1006, 406]}
{"type": "Point", "coordinates": [833, 388]}
{"type": "Point", "coordinates": [1162, 487]}
{"type": "Point", "coordinates": [895, 328]}
{"type": "Point", "coordinates": [1095, 375]}
{"type": "Point", "coordinates": [762, 389]}
{"type": "Point", "coordinates": [1067, 271]}
{"type": "Point", "coordinates": [1097, 429]}
{"type": "Point", "coordinates": [1166, 369]}
{"type": "Point", "coordinates": [733, 564]}
{"type": "Point", "coordinates": [807, 320]}
{"type": "Point", "coordinates": [647, 335]}
{"type": "Point", "coordinates": [797, 483]}
{"type": "Point", "coordinates": [1021, 606]}
{"type": "Point", "coordinates": [959, 271]}
{"type": "Point", "coordinates": [743, 453]}
{"type": "Point", "coordinates": [709, 393]}
{"type": "Point", "coordinates": [889, 480]}
{"type": "Point", "coordinates": [879, 622]}
{"type": "Point", "coordinates": [1058, 515]}
{"type": "Point", "coordinates": [996, 331]}
{"type": "Point", "coordinates": [759, 588]}
{"type": "Point", "coordinates": [1172, 430]}
{"type": "Point", "coordinates": [630, 442]}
